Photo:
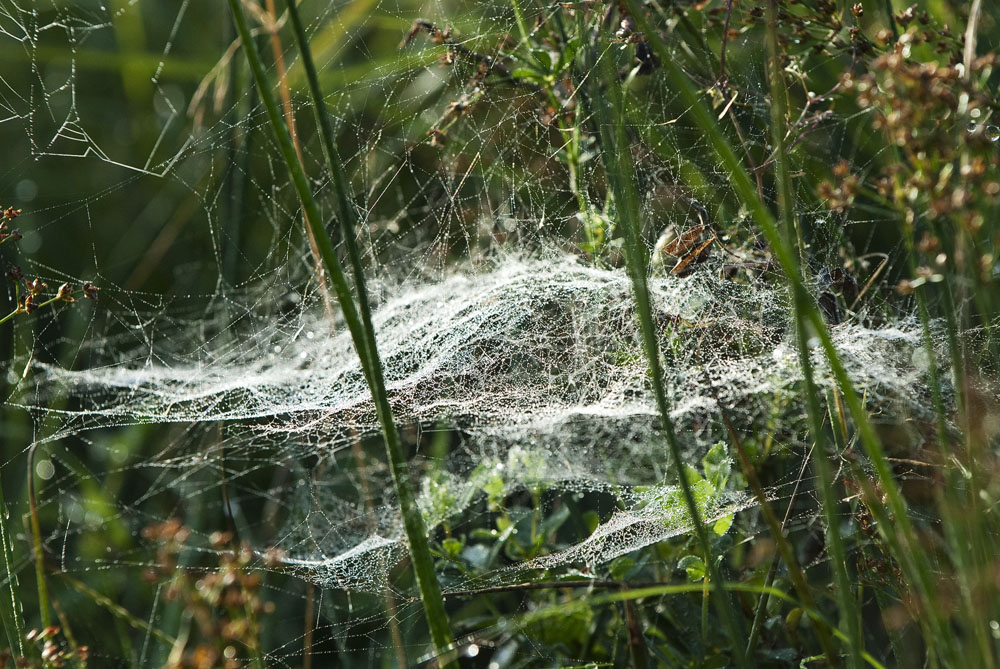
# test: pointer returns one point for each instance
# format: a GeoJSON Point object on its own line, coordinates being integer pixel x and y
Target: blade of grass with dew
{"type": "Point", "coordinates": [681, 589]}
{"type": "Point", "coordinates": [958, 541]}
{"type": "Point", "coordinates": [12, 624]}
{"type": "Point", "coordinates": [898, 531]}
{"type": "Point", "coordinates": [116, 609]}
{"type": "Point", "coordinates": [347, 216]}
{"type": "Point", "coordinates": [610, 117]}
{"type": "Point", "coordinates": [785, 548]}
{"type": "Point", "coordinates": [36, 542]}
{"type": "Point", "coordinates": [364, 343]}
{"type": "Point", "coordinates": [786, 208]}
{"type": "Point", "coordinates": [339, 31]}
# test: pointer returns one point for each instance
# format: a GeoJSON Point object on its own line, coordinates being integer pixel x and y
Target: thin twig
{"type": "Point", "coordinates": [725, 41]}
{"type": "Point", "coordinates": [969, 56]}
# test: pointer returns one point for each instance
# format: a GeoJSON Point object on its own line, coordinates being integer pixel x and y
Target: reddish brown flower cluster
{"type": "Point", "coordinates": [6, 234]}
{"type": "Point", "coordinates": [936, 115]}
{"type": "Point", "coordinates": [840, 196]}
{"type": "Point", "coordinates": [33, 289]}
{"type": "Point", "coordinates": [54, 651]}
{"type": "Point", "coordinates": [224, 600]}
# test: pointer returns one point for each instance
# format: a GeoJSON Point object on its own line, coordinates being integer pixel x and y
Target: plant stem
{"type": "Point", "coordinates": [12, 623]}
{"type": "Point", "coordinates": [786, 208]}
{"type": "Point", "coordinates": [349, 224]}
{"type": "Point", "coordinates": [364, 342]}
{"type": "Point", "coordinates": [36, 538]}
{"type": "Point", "coordinates": [785, 548]}
{"type": "Point", "coordinates": [897, 530]}
{"type": "Point", "coordinates": [610, 115]}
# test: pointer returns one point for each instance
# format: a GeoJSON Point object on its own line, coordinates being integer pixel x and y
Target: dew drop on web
{"type": "Point", "coordinates": [992, 133]}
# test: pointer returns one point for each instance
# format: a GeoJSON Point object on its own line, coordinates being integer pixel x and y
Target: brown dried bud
{"type": "Point", "coordinates": [220, 539]}
{"type": "Point", "coordinates": [10, 213]}
{"type": "Point", "coordinates": [627, 27]}
{"type": "Point", "coordinates": [907, 15]}
{"type": "Point", "coordinates": [35, 287]}
{"type": "Point", "coordinates": [90, 291]}
{"type": "Point", "coordinates": [857, 10]}
{"type": "Point", "coordinates": [65, 293]}
{"type": "Point", "coordinates": [929, 243]}
{"type": "Point", "coordinates": [14, 273]}
{"type": "Point", "coordinates": [50, 653]}
{"type": "Point", "coordinates": [29, 305]}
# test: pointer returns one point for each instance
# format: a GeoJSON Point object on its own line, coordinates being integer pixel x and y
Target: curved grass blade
{"type": "Point", "coordinates": [364, 343]}
{"type": "Point", "coordinates": [610, 117]}
{"type": "Point", "coordinates": [897, 530]}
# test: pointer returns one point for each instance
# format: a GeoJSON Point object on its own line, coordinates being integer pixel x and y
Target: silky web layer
{"type": "Point", "coordinates": [535, 362]}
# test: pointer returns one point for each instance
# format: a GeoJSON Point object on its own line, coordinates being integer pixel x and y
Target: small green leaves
{"type": "Point", "coordinates": [694, 566]}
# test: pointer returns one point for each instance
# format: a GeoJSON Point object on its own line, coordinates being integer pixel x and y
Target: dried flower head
{"type": "Point", "coordinates": [8, 235]}
{"type": "Point", "coordinates": [35, 287]}
{"type": "Point", "coordinates": [65, 293]}
{"type": "Point", "coordinates": [90, 291]}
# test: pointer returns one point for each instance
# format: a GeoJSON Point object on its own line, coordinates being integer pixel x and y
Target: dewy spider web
{"type": "Point", "coordinates": [518, 357]}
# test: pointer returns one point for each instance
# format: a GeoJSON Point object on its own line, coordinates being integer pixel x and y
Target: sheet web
{"type": "Point", "coordinates": [503, 313]}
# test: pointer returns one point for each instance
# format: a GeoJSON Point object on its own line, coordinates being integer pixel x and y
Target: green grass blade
{"type": "Point", "coordinates": [364, 343]}
{"type": "Point", "coordinates": [786, 207]}
{"type": "Point", "coordinates": [614, 144]}
{"type": "Point", "coordinates": [38, 550]}
{"type": "Point", "coordinates": [346, 213]}
{"type": "Point", "coordinates": [9, 615]}
{"type": "Point", "coordinates": [898, 531]}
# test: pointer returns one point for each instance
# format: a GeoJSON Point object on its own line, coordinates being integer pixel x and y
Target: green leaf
{"type": "Point", "coordinates": [452, 547]}
{"type": "Point", "coordinates": [717, 465]}
{"type": "Point", "coordinates": [694, 566]}
{"type": "Point", "coordinates": [494, 488]}
{"type": "Point", "coordinates": [620, 567]}
{"type": "Point", "coordinates": [568, 54]}
{"type": "Point", "coordinates": [543, 58]}
{"type": "Point", "coordinates": [723, 524]}
{"type": "Point", "coordinates": [528, 74]}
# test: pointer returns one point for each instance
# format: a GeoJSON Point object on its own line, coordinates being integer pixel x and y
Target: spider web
{"type": "Point", "coordinates": [226, 387]}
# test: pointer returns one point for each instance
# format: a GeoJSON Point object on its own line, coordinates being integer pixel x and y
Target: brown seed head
{"type": "Point", "coordinates": [35, 287]}
{"type": "Point", "coordinates": [65, 293]}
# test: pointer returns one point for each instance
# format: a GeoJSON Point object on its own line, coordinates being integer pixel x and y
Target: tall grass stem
{"type": "Point", "coordinates": [364, 343]}
{"type": "Point", "coordinates": [897, 530]}
{"type": "Point", "coordinates": [9, 615]}
{"type": "Point", "coordinates": [614, 149]}
{"type": "Point", "coordinates": [786, 208]}
{"type": "Point", "coordinates": [36, 542]}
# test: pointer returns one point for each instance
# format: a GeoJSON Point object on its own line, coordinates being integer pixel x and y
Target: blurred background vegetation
{"type": "Point", "coordinates": [136, 147]}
